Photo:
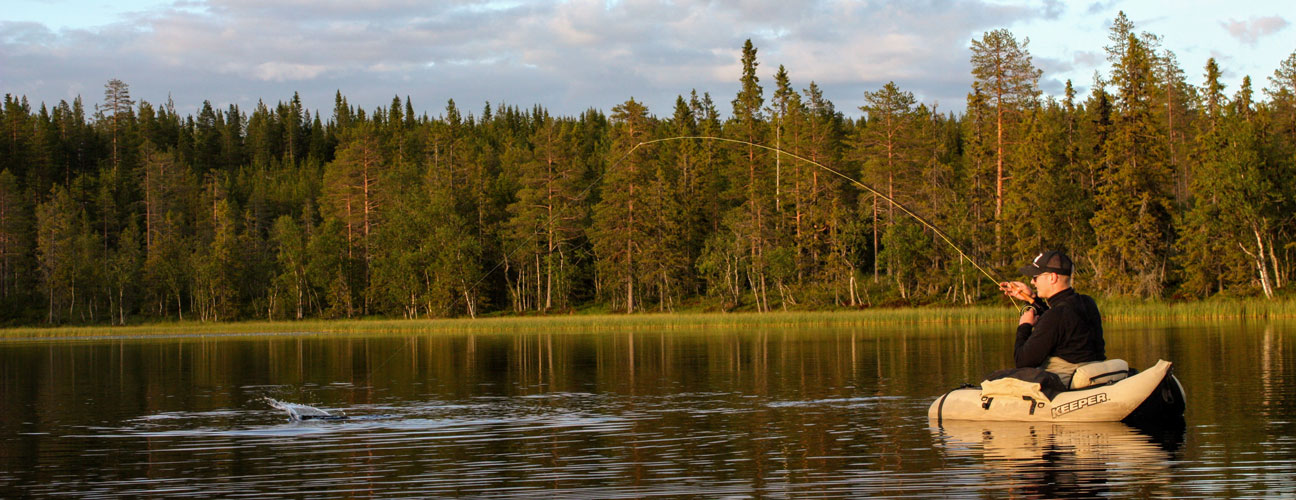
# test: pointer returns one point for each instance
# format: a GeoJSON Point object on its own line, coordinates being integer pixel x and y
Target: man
{"type": "Point", "coordinates": [1063, 330]}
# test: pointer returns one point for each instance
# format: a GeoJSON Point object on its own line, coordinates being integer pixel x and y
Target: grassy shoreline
{"type": "Point", "coordinates": [1114, 312]}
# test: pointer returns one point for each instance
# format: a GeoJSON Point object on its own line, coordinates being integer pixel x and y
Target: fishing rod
{"type": "Point", "coordinates": [944, 237]}
{"type": "Point", "coordinates": [926, 223]}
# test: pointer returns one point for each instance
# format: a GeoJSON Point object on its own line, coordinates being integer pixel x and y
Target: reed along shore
{"type": "Point", "coordinates": [1115, 312]}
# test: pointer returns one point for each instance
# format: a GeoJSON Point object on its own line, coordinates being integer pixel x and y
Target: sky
{"type": "Point", "coordinates": [569, 56]}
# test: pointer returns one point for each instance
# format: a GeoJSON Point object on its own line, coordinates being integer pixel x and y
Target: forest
{"type": "Point", "coordinates": [1160, 186]}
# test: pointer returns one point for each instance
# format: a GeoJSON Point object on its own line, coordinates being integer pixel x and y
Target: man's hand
{"type": "Point", "coordinates": [1017, 290]}
{"type": "Point", "coordinates": [1028, 317]}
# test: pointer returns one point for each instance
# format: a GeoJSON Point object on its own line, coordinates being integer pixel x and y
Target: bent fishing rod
{"type": "Point", "coordinates": [941, 234]}
{"type": "Point", "coordinates": [928, 224]}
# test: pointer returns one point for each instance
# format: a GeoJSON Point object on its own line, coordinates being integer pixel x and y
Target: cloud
{"type": "Point", "coordinates": [1102, 7]}
{"type": "Point", "coordinates": [564, 55]}
{"type": "Point", "coordinates": [1252, 30]}
{"type": "Point", "coordinates": [281, 72]}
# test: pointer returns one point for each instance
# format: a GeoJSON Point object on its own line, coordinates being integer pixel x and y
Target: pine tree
{"type": "Point", "coordinates": [818, 193]}
{"type": "Point", "coordinates": [117, 102]}
{"type": "Point", "coordinates": [293, 118]}
{"type": "Point", "coordinates": [619, 232]}
{"type": "Point", "coordinates": [166, 186]}
{"type": "Point", "coordinates": [261, 136]}
{"type": "Point", "coordinates": [546, 216]}
{"type": "Point", "coordinates": [888, 152]}
{"type": "Point", "coordinates": [207, 139]}
{"type": "Point", "coordinates": [17, 149]}
{"type": "Point", "coordinates": [1003, 70]}
{"type": "Point", "coordinates": [232, 154]}
{"type": "Point", "coordinates": [692, 191]}
{"type": "Point", "coordinates": [402, 257]}
{"type": "Point", "coordinates": [664, 260]}
{"type": "Point", "coordinates": [352, 195]}
{"type": "Point", "coordinates": [788, 120]}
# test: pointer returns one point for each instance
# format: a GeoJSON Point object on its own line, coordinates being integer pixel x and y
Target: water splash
{"type": "Point", "coordinates": [302, 412]}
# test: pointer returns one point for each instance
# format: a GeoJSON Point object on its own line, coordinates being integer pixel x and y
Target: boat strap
{"type": "Point", "coordinates": [1108, 374]}
{"type": "Point", "coordinates": [940, 409]}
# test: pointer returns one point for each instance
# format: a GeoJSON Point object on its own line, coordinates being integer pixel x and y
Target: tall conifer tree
{"type": "Point", "coordinates": [748, 124]}
{"type": "Point", "coordinates": [1132, 222]}
{"type": "Point", "coordinates": [1002, 68]}
{"type": "Point", "coordinates": [620, 221]}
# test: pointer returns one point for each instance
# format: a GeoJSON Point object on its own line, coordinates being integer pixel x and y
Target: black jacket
{"type": "Point", "coordinates": [1070, 328]}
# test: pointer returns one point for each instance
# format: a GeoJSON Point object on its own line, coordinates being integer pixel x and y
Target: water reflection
{"type": "Point", "coordinates": [1064, 460]}
{"type": "Point", "coordinates": [822, 413]}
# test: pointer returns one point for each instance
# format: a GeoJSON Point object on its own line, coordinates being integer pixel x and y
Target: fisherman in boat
{"type": "Point", "coordinates": [1061, 329]}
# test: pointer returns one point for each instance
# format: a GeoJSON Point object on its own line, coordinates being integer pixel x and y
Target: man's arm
{"type": "Point", "coordinates": [1035, 342]}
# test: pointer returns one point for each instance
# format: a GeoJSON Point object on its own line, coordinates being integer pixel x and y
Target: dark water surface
{"type": "Point", "coordinates": [776, 413]}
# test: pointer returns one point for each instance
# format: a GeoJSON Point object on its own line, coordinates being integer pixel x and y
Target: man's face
{"type": "Point", "coordinates": [1046, 284]}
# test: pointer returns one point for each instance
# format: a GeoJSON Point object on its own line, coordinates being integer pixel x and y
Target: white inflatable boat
{"type": "Point", "coordinates": [1101, 392]}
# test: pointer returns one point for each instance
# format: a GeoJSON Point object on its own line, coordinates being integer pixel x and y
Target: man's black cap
{"type": "Point", "coordinates": [1051, 261]}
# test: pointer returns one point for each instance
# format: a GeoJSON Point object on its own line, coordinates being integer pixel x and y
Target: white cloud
{"type": "Point", "coordinates": [281, 72]}
{"type": "Point", "coordinates": [1252, 30]}
{"type": "Point", "coordinates": [565, 55]}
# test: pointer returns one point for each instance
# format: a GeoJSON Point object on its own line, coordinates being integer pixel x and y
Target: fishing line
{"type": "Point", "coordinates": [850, 179]}
{"type": "Point", "coordinates": [939, 233]}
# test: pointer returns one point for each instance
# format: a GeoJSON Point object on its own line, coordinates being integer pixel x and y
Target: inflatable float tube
{"type": "Point", "coordinates": [1150, 397]}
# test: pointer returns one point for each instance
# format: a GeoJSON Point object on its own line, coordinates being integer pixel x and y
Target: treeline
{"type": "Point", "coordinates": [1158, 187]}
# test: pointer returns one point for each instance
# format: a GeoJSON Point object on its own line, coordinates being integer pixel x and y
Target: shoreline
{"type": "Point", "coordinates": [1114, 312]}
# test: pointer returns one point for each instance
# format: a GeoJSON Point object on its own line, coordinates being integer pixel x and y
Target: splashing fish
{"type": "Point", "coordinates": [299, 412]}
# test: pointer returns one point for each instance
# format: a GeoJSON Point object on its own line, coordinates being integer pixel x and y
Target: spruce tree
{"type": "Point", "coordinates": [1132, 222]}
{"type": "Point", "coordinates": [15, 221]}
{"type": "Point", "coordinates": [748, 124]}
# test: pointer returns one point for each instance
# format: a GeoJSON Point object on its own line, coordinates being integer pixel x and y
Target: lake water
{"type": "Point", "coordinates": [776, 413]}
